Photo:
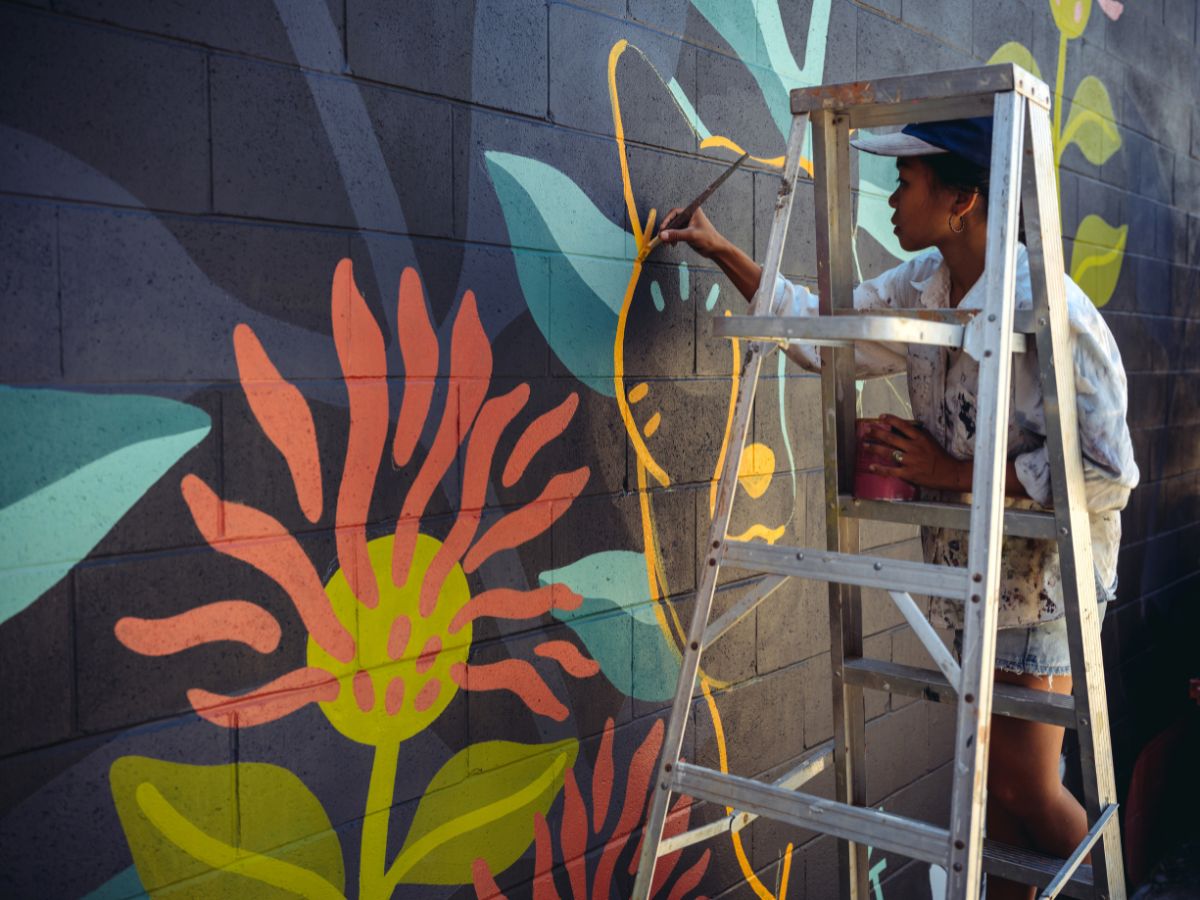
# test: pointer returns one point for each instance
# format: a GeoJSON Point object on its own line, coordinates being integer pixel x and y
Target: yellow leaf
{"type": "Point", "coordinates": [1015, 52]}
{"type": "Point", "coordinates": [1091, 125]}
{"type": "Point", "coordinates": [1096, 258]}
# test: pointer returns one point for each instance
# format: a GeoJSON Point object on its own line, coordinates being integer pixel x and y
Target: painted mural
{"type": "Point", "coordinates": [386, 672]}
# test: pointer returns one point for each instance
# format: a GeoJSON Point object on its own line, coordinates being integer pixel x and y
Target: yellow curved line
{"type": "Point", "coordinates": [1077, 120]}
{"type": "Point", "coordinates": [1098, 259]}
{"type": "Point", "coordinates": [493, 812]}
{"type": "Point", "coordinates": [635, 436]}
{"type": "Point", "coordinates": [619, 134]}
{"type": "Point", "coordinates": [770, 535]}
{"type": "Point", "coordinates": [723, 760]}
{"type": "Point", "coordinates": [216, 854]}
{"type": "Point", "coordinates": [787, 870]}
{"type": "Point", "coordinates": [735, 378]}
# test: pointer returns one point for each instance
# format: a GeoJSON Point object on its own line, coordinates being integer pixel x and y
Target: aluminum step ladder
{"type": "Point", "coordinates": [1020, 106]}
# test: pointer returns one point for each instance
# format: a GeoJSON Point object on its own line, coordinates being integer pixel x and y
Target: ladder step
{"type": "Point", "coordinates": [845, 328]}
{"type": "Point", "coordinates": [882, 830]}
{"type": "Point", "coordinates": [814, 763]}
{"type": "Point", "coordinates": [1009, 700]}
{"type": "Point", "coordinates": [1017, 522]}
{"type": "Point", "coordinates": [1031, 867]}
{"type": "Point", "coordinates": [848, 568]}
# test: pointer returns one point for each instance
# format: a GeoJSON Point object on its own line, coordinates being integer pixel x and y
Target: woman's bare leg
{"type": "Point", "coordinates": [1023, 782]}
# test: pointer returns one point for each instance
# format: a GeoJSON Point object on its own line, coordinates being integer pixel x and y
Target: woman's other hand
{"type": "Point", "coordinates": [915, 456]}
{"type": "Point", "coordinates": [700, 234]}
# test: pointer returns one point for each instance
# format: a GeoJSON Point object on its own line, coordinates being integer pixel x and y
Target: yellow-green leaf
{"type": "Point", "coordinates": [1097, 256]}
{"type": "Point", "coordinates": [1071, 16]}
{"type": "Point", "coordinates": [189, 836]}
{"type": "Point", "coordinates": [1091, 124]}
{"type": "Point", "coordinates": [488, 815]}
{"type": "Point", "coordinates": [1018, 53]}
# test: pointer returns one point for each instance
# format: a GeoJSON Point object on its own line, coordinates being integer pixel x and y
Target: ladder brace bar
{"type": "Point", "coordinates": [813, 764]}
{"type": "Point", "coordinates": [847, 568]}
{"type": "Point", "coordinates": [882, 830]}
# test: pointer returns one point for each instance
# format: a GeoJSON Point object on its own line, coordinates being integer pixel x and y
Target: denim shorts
{"type": "Point", "coordinates": [1039, 649]}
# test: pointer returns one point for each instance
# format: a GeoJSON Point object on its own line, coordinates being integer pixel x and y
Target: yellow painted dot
{"type": "Point", "coordinates": [756, 468]}
{"type": "Point", "coordinates": [639, 391]}
{"type": "Point", "coordinates": [652, 425]}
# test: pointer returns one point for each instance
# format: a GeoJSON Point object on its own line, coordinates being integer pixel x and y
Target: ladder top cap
{"type": "Point", "coordinates": [929, 88]}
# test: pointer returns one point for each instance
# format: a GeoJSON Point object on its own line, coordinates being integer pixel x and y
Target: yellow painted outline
{"type": "Point", "coordinates": [738, 850]}
{"type": "Point", "coordinates": [216, 854]}
{"type": "Point", "coordinates": [644, 462]}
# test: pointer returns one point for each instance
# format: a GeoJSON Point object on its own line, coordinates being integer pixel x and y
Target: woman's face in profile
{"type": "Point", "coordinates": [922, 207]}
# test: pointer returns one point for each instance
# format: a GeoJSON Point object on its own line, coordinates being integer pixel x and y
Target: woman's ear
{"type": "Point", "coordinates": [965, 201]}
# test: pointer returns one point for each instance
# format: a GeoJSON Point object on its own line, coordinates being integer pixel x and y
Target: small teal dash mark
{"type": "Point", "coordinates": [657, 295]}
{"type": "Point", "coordinates": [710, 301]}
{"type": "Point", "coordinates": [685, 287]}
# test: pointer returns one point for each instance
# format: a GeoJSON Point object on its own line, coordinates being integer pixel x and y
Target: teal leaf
{"type": "Point", "coordinates": [74, 465]}
{"type": "Point", "coordinates": [125, 885]}
{"type": "Point", "coordinates": [754, 29]}
{"type": "Point", "coordinates": [546, 211]}
{"type": "Point", "coordinates": [618, 624]}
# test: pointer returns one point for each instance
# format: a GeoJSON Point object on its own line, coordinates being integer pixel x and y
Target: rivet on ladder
{"type": "Point", "coordinates": [878, 567]}
{"type": "Point", "coordinates": [695, 645]}
{"type": "Point", "coordinates": [977, 577]}
{"type": "Point", "coordinates": [1063, 531]}
{"type": "Point", "coordinates": [800, 556]}
{"type": "Point", "coordinates": [975, 598]}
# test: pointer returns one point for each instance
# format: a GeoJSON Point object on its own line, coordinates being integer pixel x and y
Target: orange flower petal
{"type": "Point", "coordinates": [284, 417]}
{"type": "Point", "coordinates": [225, 620]}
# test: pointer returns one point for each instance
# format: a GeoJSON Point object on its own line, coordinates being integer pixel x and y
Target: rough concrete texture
{"type": "Point", "coordinates": [204, 648]}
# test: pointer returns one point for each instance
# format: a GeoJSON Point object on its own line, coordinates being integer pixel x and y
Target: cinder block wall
{"type": "Point", "coordinates": [357, 469]}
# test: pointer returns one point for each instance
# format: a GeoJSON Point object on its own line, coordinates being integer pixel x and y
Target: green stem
{"type": "Point", "coordinates": [372, 878]}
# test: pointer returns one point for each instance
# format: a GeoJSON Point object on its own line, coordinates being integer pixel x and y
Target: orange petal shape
{"type": "Point", "coordinates": [515, 675]}
{"type": "Point", "coordinates": [497, 413]}
{"type": "Point", "coordinates": [641, 768]}
{"type": "Point", "coordinates": [540, 432]}
{"type": "Point", "coordinates": [602, 778]}
{"type": "Point", "coordinates": [226, 620]}
{"type": "Point", "coordinates": [485, 885]}
{"type": "Point", "coordinates": [568, 656]}
{"type": "Point", "coordinates": [510, 603]}
{"type": "Point", "coordinates": [543, 862]}
{"type": "Point", "coordinates": [470, 375]}
{"type": "Point", "coordinates": [281, 559]}
{"type": "Point", "coordinates": [272, 701]}
{"type": "Point", "coordinates": [419, 350]}
{"type": "Point", "coordinates": [284, 417]}
{"type": "Point", "coordinates": [530, 520]}
{"type": "Point", "coordinates": [364, 364]}
{"type": "Point", "coordinates": [574, 834]}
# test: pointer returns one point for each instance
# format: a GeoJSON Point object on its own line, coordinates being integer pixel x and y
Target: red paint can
{"type": "Point", "coordinates": [870, 485]}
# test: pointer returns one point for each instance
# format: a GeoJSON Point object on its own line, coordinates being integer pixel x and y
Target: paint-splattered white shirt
{"type": "Point", "coordinates": [942, 386]}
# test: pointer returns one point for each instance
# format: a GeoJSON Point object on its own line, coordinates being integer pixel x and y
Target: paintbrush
{"type": "Point", "coordinates": [684, 216]}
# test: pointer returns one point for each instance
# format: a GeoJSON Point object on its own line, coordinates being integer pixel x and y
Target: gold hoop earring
{"type": "Point", "coordinates": [962, 224]}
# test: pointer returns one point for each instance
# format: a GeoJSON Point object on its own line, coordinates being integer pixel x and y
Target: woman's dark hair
{"type": "Point", "coordinates": [958, 173]}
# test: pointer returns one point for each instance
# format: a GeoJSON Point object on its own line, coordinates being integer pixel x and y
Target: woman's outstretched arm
{"type": "Point", "coordinates": [704, 238]}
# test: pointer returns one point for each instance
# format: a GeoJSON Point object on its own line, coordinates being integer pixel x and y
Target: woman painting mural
{"type": "Point", "coordinates": [940, 207]}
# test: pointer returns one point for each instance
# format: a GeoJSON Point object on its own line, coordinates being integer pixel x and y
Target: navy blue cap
{"type": "Point", "coordinates": [969, 138]}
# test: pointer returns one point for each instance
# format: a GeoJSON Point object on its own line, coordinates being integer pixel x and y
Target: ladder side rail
{"type": "Point", "coordinates": [980, 611]}
{"type": "Point", "coordinates": [707, 582]}
{"type": "Point", "coordinates": [1070, 506]}
{"type": "Point", "coordinates": [835, 285]}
